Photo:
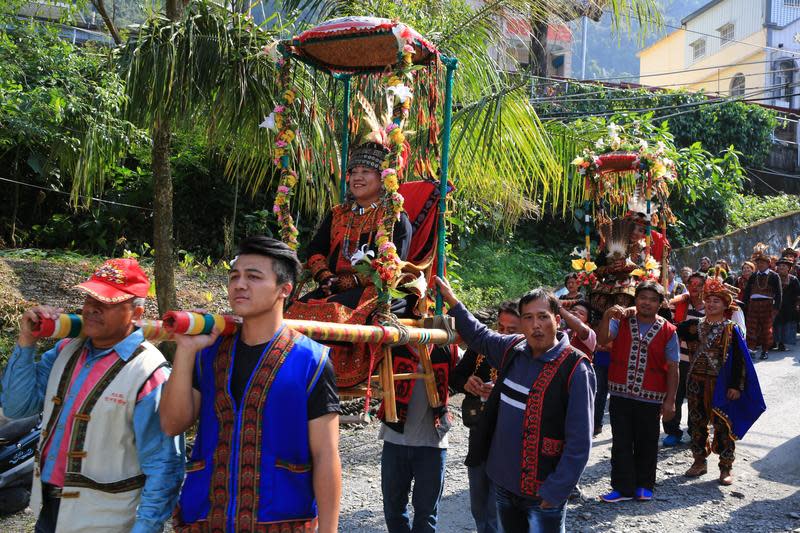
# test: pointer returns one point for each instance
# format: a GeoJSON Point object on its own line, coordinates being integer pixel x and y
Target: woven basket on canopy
{"type": "Point", "coordinates": [360, 44]}
{"type": "Point", "coordinates": [618, 162]}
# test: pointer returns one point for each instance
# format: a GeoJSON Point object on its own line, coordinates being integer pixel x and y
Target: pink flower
{"type": "Point", "coordinates": [276, 208]}
{"type": "Point", "coordinates": [385, 247]}
{"type": "Point", "coordinates": [387, 172]}
{"type": "Point", "coordinates": [408, 48]}
{"type": "Point", "coordinates": [391, 127]}
{"type": "Point", "coordinates": [279, 108]}
{"type": "Point", "coordinates": [283, 189]}
{"type": "Point", "coordinates": [281, 143]}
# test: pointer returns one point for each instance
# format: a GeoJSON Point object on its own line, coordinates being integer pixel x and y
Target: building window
{"type": "Point", "coordinates": [737, 85]}
{"type": "Point", "coordinates": [698, 49]}
{"type": "Point", "coordinates": [784, 80]}
{"type": "Point", "coordinates": [792, 3]}
{"type": "Point", "coordinates": [725, 34]}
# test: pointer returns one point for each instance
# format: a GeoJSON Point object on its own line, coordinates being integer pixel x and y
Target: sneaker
{"type": "Point", "coordinates": [614, 497]}
{"type": "Point", "coordinates": [643, 494]}
{"type": "Point", "coordinates": [671, 440]}
{"type": "Point", "coordinates": [764, 356]}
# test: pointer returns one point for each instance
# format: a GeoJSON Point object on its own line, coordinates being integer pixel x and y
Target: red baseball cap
{"type": "Point", "coordinates": [117, 280]}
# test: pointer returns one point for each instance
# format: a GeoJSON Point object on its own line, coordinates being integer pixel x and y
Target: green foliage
{"type": "Point", "coordinates": [690, 117]}
{"type": "Point", "coordinates": [709, 189]}
{"type": "Point", "coordinates": [746, 127]}
{"type": "Point", "coordinates": [748, 209]}
{"type": "Point", "coordinates": [492, 271]}
{"type": "Point", "coordinates": [60, 106]}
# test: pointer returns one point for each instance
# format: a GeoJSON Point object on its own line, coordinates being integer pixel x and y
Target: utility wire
{"type": "Point", "coordinates": [760, 47]}
{"type": "Point", "coordinates": [747, 98]}
{"type": "Point", "coordinates": [582, 97]}
{"type": "Point", "coordinates": [80, 195]}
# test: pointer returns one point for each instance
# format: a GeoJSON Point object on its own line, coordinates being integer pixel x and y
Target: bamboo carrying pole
{"type": "Point", "coordinates": [71, 325]}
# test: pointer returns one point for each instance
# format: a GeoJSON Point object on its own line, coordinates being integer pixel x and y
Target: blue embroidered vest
{"type": "Point", "coordinates": [251, 464]}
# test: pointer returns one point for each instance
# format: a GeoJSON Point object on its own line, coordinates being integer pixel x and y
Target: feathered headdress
{"type": "Point", "coordinates": [791, 247]}
{"type": "Point", "coordinates": [616, 235]}
{"type": "Point", "coordinates": [374, 137]}
{"type": "Point", "coordinates": [760, 252]}
{"type": "Point", "coordinates": [715, 286]}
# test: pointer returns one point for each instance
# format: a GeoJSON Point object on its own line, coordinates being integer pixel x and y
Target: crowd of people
{"type": "Point", "coordinates": [264, 402]}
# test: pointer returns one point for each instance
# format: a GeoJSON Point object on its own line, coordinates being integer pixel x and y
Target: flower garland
{"type": "Point", "coordinates": [585, 267]}
{"type": "Point", "coordinates": [649, 165]}
{"type": "Point", "coordinates": [387, 263]}
{"type": "Point", "coordinates": [279, 121]}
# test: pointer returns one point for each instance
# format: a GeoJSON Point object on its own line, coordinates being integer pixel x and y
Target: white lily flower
{"type": "Point", "coordinates": [269, 122]}
{"type": "Point", "coordinates": [363, 254]}
{"type": "Point", "coordinates": [400, 92]}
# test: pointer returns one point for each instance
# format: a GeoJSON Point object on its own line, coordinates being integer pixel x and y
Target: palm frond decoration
{"type": "Point", "coordinates": [211, 67]}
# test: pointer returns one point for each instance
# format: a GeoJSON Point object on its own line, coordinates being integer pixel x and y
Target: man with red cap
{"type": "Point", "coordinates": [103, 462]}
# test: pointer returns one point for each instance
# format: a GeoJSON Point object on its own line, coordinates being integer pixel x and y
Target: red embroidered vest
{"type": "Point", "coordinates": [543, 430]}
{"type": "Point", "coordinates": [638, 364]}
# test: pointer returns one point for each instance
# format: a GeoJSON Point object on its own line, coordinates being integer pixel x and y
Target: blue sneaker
{"type": "Point", "coordinates": [671, 440]}
{"type": "Point", "coordinates": [614, 496]}
{"type": "Point", "coordinates": [643, 494]}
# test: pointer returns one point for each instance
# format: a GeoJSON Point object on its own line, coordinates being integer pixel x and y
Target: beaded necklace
{"type": "Point", "coordinates": [357, 212]}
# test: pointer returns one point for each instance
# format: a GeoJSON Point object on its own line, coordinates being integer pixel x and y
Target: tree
{"type": "Point", "coordinates": [208, 63]}
{"type": "Point", "coordinates": [60, 123]}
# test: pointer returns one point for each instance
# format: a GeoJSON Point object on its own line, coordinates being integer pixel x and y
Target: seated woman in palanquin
{"type": "Point", "coordinates": [346, 235]}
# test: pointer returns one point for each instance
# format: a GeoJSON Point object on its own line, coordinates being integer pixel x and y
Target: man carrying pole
{"type": "Point", "coordinates": [266, 453]}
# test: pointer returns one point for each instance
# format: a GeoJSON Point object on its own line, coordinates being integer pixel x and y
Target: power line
{"type": "Point", "coordinates": [79, 196]}
{"type": "Point", "coordinates": [760, 47]}
{"type": "Point", "coordinates": [747, 98]}
{"type": "Point", "coordinates": [653, 94]}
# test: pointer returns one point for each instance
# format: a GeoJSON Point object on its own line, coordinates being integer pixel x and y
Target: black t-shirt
{"type": "Point", "coordinates": [324, 398]}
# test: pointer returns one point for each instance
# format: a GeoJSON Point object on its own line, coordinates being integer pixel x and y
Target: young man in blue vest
{"type": "Point", "coordinates": [266, 454]}
{"type": "Point", "coordinates": [536, 431]}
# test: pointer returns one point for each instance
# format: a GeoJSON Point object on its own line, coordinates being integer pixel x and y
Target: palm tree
{"type": "Point", "coordinates": [205, 64]}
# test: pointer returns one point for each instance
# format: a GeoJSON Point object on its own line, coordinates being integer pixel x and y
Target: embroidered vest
{"type": "Point", "coordinates": [545, 417]}
{"type": "Point", "coordinates": [638, 366]}
{"type": "Point", "coordinates": [579, 345]}
{"type": "Point", "coordinates": [103, 482]}
{"type": "Point", "coordinates": [251, 464]}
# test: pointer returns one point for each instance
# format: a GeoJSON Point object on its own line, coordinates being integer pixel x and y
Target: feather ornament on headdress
{"type": "Point", "coordinates": [760, 251]}
{"type": "Point", "coordinates": [715, 286]}
{"type": "Point", "coordinates": [375, 127]}
{"type": "Point", "coordinates": [616, 235]}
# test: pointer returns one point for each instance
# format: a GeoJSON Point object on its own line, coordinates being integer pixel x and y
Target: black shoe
{"type": "Point", "coordinates": [782, 347]}
{"type": "Point", "coordinates": [764, 356]}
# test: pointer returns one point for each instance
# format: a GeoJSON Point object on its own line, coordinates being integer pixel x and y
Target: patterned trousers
{"type": "Point", "coordinates": [699, 391]}
{"type": "Point", "coordinates": [759, 324]}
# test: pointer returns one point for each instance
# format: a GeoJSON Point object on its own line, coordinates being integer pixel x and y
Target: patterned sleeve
{"type": "Point", "coordinates": [318, 251]}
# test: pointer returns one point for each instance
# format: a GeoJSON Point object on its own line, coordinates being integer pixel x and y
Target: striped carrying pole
{"type": "Point", "coordinates": [188, 323]}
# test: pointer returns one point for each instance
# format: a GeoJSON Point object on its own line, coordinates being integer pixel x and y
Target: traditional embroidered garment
{"type": "Point", "coordinates": [102, 484]}
{"type": "Point", "coordinates": [405, 359]}
{"type": "Point", "coordinates": [762, 294]}
{"type": "Point", "coordinates": [543, 431]}
{"type": "Point", "coordinates": [721, 362]}
{"type": "Point", "coordinates": [580, 345]}
{"type": "Point", "coordinates": [638, 366]}
{"type": "Point", "coordinates": [344, 233]}
{"type": "Point", "coordinates": [251, 464]}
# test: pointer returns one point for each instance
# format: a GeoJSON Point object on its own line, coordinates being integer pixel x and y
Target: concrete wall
{"type": "Point", "coordinates": [737, 246]}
